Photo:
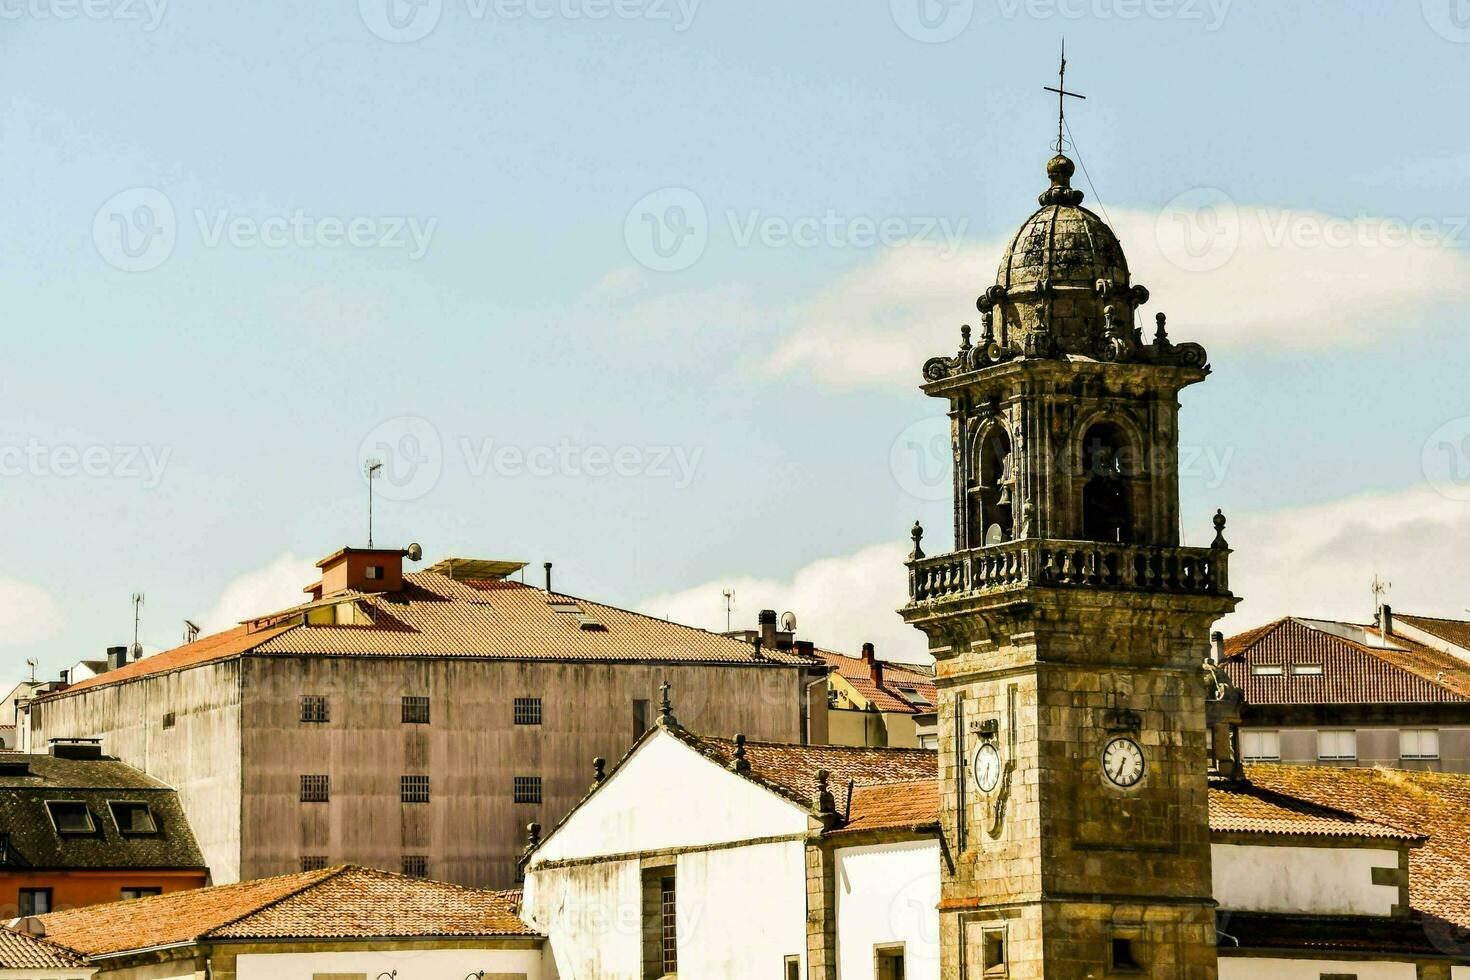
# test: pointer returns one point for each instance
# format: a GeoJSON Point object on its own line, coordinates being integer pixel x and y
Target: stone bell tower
{"type": "Point", "coordinates": [1069, 626]}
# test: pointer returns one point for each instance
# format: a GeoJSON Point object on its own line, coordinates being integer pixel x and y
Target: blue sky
{"type": "Point", "coordinates": [247, 245]}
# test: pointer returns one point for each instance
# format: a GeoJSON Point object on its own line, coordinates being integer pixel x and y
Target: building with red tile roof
{"type": "Point", "coordinates": [448, 708]}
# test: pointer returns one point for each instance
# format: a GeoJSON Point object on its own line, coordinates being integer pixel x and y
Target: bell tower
{"type": "Point", "coordinates": [1069, 626]}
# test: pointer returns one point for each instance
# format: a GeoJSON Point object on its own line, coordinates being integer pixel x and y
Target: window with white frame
{"type": "Point", "coordinates": [1266, 670]}
{"type": "Point", "coordinates": [1260, 746]}
{"type": "Point", "coordinates": [1337, 745]}
{"type": "Point", "coordinates": [1306, 670]}
{"type": "Point", "coordinates": [1419, 743]}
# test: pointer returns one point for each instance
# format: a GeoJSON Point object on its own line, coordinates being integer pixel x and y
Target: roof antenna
{"type": "Point", "coordinates": [372, 468]}
{"type": "Point", "coordinates": [32, 664]}
{"type": "Point", "coordinates": [1380, 589]}
{"type": "Point", "coordinates": [191, 631]}
{"type": "Point", "coordinates": [137, 650]}
{"type": "Point", "coordinates": [729, 595]}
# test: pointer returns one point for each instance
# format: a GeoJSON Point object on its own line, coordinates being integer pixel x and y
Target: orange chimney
{"type": "Point", "coordinates": [874, 665]}
{"type": "Point", "coordinates": [362, 569]}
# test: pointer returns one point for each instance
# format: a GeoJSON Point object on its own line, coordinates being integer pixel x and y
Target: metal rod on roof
{"type": "Point", "coordinates": [548, 577]}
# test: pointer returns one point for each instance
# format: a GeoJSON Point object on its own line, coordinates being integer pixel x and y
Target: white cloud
{"type": "Point", "coordinates": [276, 586]}
{"type": "Point", "coordinates": [28, 614]}
{"type": "Point", "coordinates": [840, 603]}
{"type": "Point", "coordinates": [1314, 561]}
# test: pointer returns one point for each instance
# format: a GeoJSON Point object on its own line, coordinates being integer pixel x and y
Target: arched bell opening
{"type": "Point", "coordinates": [992, 490]}
{"type": "Point", "coordinates": [1110, 469]}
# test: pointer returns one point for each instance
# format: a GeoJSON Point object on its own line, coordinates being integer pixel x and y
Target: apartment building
{"type": "Point", "coordinates": [1393, 693]}
{"type": "Point", "coordinates": [416, 721]}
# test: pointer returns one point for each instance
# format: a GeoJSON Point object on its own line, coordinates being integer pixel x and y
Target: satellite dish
{"type": "Point", "coordinates": [415, 551]}
{"type": "Point", "coordinates": [994, 535]}
{"type": "Point", "coordinates": [788, 622]}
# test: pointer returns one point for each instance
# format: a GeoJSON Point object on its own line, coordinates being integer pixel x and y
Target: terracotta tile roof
{"type": "Point", "coordinates": [437, 616]}
{"type": "Point", "coordinates": [1435, 805]}
{"type": "Point", "coordinates": [791, 770]}
{"type": "Point", "coordinates": [1248, 808]}
{"type": "Point", "coordinates": [22, 952]}
{"type": "Point", "coordinates": [344, 902]}
{"type": "Point", "coordinates": [1352, 672]}
{"type": "Point", "coordinates": [1330, 933]}
{"type": "Point", "coordinates": [857, 675]}
{"type": "Point", "coordinates": [1456, 631]}
{"type": "Point", "coordinates": [892, 806]}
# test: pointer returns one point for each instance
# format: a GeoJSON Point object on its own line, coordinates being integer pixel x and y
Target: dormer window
{"type": "Point", "coordinates": [71, 817]}
{"type": "Point", "coordinates": [133, 818]}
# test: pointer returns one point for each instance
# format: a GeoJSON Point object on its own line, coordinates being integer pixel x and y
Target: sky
{"type": "Point", "coordinates": [644, 287]}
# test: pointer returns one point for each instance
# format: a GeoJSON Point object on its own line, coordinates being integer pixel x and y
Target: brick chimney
{"type": "Point", "coordinates": [766, 623]}
{"type": "Point", "coordinates": [1385, 620]}
{"type": "Point", "coordinates": [362, 569]}
{"type": "Point", "coordinates": [116, 657]}
{"type": "Point", "coordinates": [874, 665]}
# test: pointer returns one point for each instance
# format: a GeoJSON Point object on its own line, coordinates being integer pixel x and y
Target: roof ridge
{"type": "Point", "coordinates": [326, 874]}
{"type": "Point", "coordinates": [823, 748]}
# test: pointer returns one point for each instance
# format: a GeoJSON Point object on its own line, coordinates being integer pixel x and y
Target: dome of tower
{"type": "Point", "coordinates": [1062, 241]}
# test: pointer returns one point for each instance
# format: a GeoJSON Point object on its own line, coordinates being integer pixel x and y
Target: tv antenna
{"type": "Point", "coordinates": [729, 595]}
{"type": "Point", "coordinates": [372, 468]}
{"type": "Point", "coordinates": [1380, 589]}
{"type": "Point", "coordinates": [31, 663]}
{"type": "Point", "coordinates": [137, 650]}
{"type": "Point", "coordinates": [191, 631]}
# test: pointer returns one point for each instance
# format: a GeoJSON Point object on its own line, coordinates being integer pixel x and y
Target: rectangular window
{"type": "Point", "coordinates": [1419, 743]}
{"type": "Point", "coordinates": [373, 573]}
{"type": "Point", "coordinates": [888, 963]}
{"type": "Point", "coordinates": [71, 817]}
{"type": "Point", "coordinates": [528, 789]}
{"type": "Point", "coordinates": [668, 925]}
{"type": "Point", "coordinates": [35, 901]}
{"type": "Point", "coordinates": [315, 789]}
{"type": "Point", "coordinates": [168, 719]}
{"type": "Point", "coordinates": [415, 710]}
{"type": "Point", "coordinates": [993, 953]}
{"type": "Point", "coordinates": [1337, 745]}
{"type": "Point", "coordinates": [413, 789]}
{"type": "Point", "coordinates": [313, 862]}
{"type": "Point", "coordinates": [314, 709]}
{"type": "Point", "coordinates": [793, 968]}
{"type": "Point", "coordinates": [1260, 746]}
{"type": "Point", "coordinates": [1266, 670]}
{"type": "Point", "coordinates": [640, 717]}
{"type": "Point", "coordinates": [1307, 670]}
{"type": "Point", "coordinates": [416, 865]}
{"type": "Point", "coordinates": [1123, 956]}
{"type": "Point", "coordinates": [912, 696]}
{"type": "Point", "coordinates": [129, 894]}
{"type": "Point", "coordinates": [133, 818]}
{"type": "Point", "coordinates": [528, 711]}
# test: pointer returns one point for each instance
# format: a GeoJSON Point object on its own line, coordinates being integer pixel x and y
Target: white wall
{"type": "Point", "coordinates": [742, 911]}
{"type": "Point", "coordinates": [669, 796]}
{"type": "Point", "coordinates": [413, 964]}
{"type": "Point", "coordinates": [1320, 880]}
{"type": "Point", "coordinates": [1251, 968]}
{"type": "Point", "coordinates": [888, 893]}
{"type": "Point", "coordinates": [591, 914]}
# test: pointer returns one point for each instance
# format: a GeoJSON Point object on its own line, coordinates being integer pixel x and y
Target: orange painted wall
{"type": "Point", "coordinates": [73, 889]}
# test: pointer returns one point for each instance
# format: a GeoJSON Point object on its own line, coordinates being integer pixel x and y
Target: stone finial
{"type": "Point", "coordinates": [917, 533]}
{"type": "Point", "coordinates": [739, 763]}
{"type": "Point", "coordinates": [1161, 335]}
{"type": "Point", "coordinates": [964, 336]}
{"type": "Point", "coordinates": [666, 717]}
{"type": "Point", "coordinates": [1061, 191]}
{"type": "Point", "coordinates": [533, 835]}
{"type": "Point", "coordinates": [1219, 541]}
{"type": "Point", "coordinates": [599, 770]}
{"type": "Point", "coordinates": [823, 802]}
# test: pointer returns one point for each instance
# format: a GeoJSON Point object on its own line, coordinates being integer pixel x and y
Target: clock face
{"type": "Point", "coordinates": [1122, 762]}
{"type": "Point", "coordinates": [987, 767]}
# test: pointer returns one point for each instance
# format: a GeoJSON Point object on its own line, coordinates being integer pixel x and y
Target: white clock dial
{"type": "Point", "coordinates": [1122, 762]}
{"type": "Point", "coordinates": [987, 767]}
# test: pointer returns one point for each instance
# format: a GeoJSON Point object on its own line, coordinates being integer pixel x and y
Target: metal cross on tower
{"type": "Point", "coordinates": [1062, 94]}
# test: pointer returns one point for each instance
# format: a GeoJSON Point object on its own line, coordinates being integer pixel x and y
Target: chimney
{"type": "Point", "coordinates": [767, 624]}
{"type": "Point", "coordinates": [1217, 647]}
{"type": "Point", "coordinates": [1385, 620]}
{"type": "Point", "coordinates": [116, 657]}
{"type": "Point", "coordinates": [362, 570]}
{"type": "Point", "coordinates": [874, 665]}
{"type": "Point", "coordinates": [76, 748]}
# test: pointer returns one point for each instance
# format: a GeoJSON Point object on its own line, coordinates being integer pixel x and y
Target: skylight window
{"type": "Point", "coordinates": [1267, 670]}
{"type": "Point", "coordinates": [71, 817]}
{"type": "Point", "coordinates": [133, 818]}
{"type": "Point", "coordinates": [912, 695]}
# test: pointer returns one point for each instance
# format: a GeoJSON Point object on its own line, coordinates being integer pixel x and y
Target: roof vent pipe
{"type": "Point", "coordinates": [547, 566]}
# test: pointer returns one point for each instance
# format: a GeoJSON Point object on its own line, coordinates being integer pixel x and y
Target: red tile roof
{"type": "Point", "coordinates": [1352, 672]}
{"type": "Point", "coordinates": [437, 616]}
{"type": "Point", "coordinates": [344, 902]}
{"type": "Point", "coordinates": [892, 806]}
{"type": "Point", "coordinates": [1248, 808]}
{"type": "Point", "coordinates": [22, 952]}
{"type": "Point", "coordinates": [1456, 631]}
{"type": "Point", "coordinates": [887, 697]}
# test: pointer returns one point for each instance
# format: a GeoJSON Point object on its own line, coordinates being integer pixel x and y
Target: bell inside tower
{"type": "Point", "coordinates": [993, 490]}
